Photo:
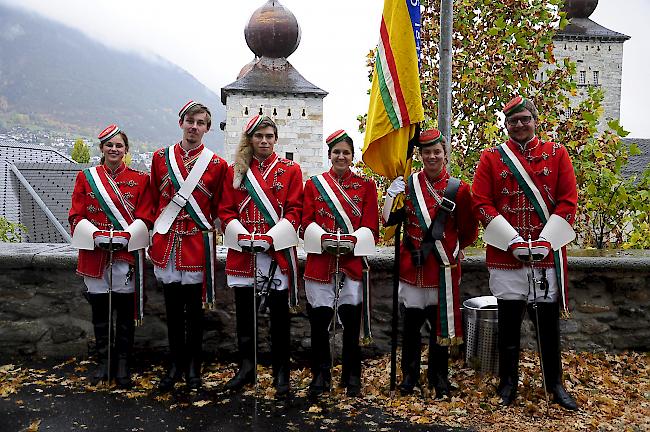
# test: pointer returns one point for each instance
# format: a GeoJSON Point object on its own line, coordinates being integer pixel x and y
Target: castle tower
{"type": "Point", "coordinates": [270, 85]}
{"type": "Point", "coordinates": [598, 54]}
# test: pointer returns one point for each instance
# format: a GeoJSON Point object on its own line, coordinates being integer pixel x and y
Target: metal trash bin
{"type": "Point", "coordinates": [480, 326]}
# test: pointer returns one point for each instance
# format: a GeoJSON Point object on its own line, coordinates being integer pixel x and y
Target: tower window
{"type": "Point", "coordinates": [596, 78]}
{"type": "Point", "coordinates": [582, 78]}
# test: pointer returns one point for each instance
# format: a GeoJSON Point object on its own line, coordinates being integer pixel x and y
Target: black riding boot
{"type": "Point", "coordinates": [194, 319]}
{"type": "Point", "coordinates": [438, 371]}
{"type": "Point", "coordinates": [100, 319]}
{"type": "Point", "coordinates": [511, 313]}
{"type": "Point", "coordinates": [280, 340]}
{"type": "Point", "coordinates": [351, 374]}
{"type": "Point", "coordinates": [175, 311]}
{"type": "Point", "coordinates": [245, 339]}
{"type": "Point", "coordinates": [321, 363]}
{"type": "Point", "coordinates": [124, 331]}
{"type": "Point", "coordinates": [549, 322]}
{"type": "Point", "coordinates": [411, 344]}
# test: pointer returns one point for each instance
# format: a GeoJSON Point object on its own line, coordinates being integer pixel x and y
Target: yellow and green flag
{"type": "Point", "coordinates": [395, 99]}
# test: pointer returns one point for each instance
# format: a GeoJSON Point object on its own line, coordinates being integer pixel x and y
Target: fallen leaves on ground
{"type": "Point", "coordinates": [612, 390]}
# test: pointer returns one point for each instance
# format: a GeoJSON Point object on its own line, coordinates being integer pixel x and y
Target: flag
{"type": "Point", "coordinates": [395, 98]}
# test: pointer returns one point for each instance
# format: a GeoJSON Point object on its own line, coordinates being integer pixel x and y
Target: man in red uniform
{"type": "Point", "coordinates": [187, 180]}
{"type": "Point", "coordinates": [262, 204]}
{"type": "Point", "coordinates": [338, 204]}
{"type": "Point", "coordinates": [438, 225]}
{"type": "Point", "coordinates": [525, 195]}
{"type": "Point", "coordinates": [112, 202]}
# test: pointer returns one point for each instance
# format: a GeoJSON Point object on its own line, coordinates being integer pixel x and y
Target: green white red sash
{"type": "Point", "coordinates": [334, 196]}
{"type": "Point", "coordinates": [266, 203]}
{"type": "Point", "coordinates": [449, 327]}
{"type": "Point", "coordinates": [535, 197]}
{"type": "Point", "coordinates": [178, 179]}
{"type": "Point", "coordinates": [120, 212]}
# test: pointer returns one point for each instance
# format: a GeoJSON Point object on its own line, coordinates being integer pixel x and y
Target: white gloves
{"type": "Point", "coordinates": [117, 241]}
{"type": "Point", "coordinates": [259, 243]}
{"type": "Point", "coordinates": [396, 187]}
{"type": "Point", "coordinates": [537, 250]}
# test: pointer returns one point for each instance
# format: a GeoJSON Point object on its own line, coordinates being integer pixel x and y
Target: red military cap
{"type": "Point", "coordinates": [336, 137]}
{"type": "Point", "coordinates": [429, 137]}
{"type": "Point", "coordinates": [108, 133]}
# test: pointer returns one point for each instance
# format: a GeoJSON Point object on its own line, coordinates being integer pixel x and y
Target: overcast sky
{"type": "Point", "coordinates": [206, 38]}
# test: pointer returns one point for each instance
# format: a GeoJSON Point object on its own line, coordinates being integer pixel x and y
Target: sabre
{"type": "Point", "coordinates": [337, 291]}
{"type": "Point", "coordinates": [532, 284]}
{"type": "Point", "coordinates": [110, 300]}
{"type": "Point", "coordinates": [254, 252]}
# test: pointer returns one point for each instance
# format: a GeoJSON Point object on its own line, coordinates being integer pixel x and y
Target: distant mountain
{"type": "Point", "coordinates": [62, 79]}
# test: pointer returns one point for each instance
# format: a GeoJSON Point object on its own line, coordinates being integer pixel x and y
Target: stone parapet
{"type": "Point", "coordinates": [43, 310]}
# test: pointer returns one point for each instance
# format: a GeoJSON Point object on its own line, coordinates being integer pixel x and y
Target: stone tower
{"type": "Point", "coordinates": [598, 54]}
{"type": "Point", "coordinates": [270, 85]}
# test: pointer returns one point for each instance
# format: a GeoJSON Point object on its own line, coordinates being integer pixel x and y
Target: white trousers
{"type": "Point", "coordinates": [171, 274]}
{"type": "Point", "coordinates": [120, 282]}
{"type": "Point", "coordinates": [279, 282]}
{"type": "Point", "coordinates": [412, 296]}
{"type": "Point", "coordinates": [514, 285]}
{"type": "Point", "coordinates": [322, 294]}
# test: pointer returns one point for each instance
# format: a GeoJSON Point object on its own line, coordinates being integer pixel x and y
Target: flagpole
{"type": "Point", "coordinates": [394, 323]}
{"type": "Point", "coordinates": [444, 96]}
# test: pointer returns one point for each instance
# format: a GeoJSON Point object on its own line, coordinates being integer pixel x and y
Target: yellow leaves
{"type": "Point", "coordinates": [612, 390]}
{"type": "Point", "coordinates": [315, 409]}
{"type": "Point", "coordinates": [34, 426]}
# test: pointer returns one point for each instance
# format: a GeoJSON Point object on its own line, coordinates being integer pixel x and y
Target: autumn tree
{"type": "Point", "coordinates": [500, 48]}
{"type": "Point", "coordinates": [11, 232]}
{"type": "Point", "coordinates": [80, 151]}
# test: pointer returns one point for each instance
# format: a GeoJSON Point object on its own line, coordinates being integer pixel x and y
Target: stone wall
{"type": "Point", "coordinates": [43, 310]}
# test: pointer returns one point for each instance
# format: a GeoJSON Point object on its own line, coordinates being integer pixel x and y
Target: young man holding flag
{"type": "Point", "coordinates": [438, 225]}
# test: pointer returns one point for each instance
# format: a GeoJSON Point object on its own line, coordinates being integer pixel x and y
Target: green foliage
{"type": "Point", "coordinates": [11, 232]}
{"type": "Point", "coordinates": [503, 48]}
{"type": "Point", "coordinates": [80, 151]}
{"type": "Point", "coordinates": [612, 208]}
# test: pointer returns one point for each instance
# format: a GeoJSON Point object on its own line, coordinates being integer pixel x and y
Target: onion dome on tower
{"type": "Point", "coordinates": [579, 8]}
{"type": "Point", "coordinates": [272, 31]}
{"type": "Point", "coordinates": [270, 85]}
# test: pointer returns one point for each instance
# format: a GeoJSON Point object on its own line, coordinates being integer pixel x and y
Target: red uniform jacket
{"type": "Point", "coordinates": [321, 267]}
{"type": "Point", "coordinates": [461, 226]}
{"type": "Point", "coordinates": [285, 181]}
{"type": "Point", "coordinates": [496, 191]}
{"type": "Point", "coordinates": [135, 188]}
{"type": "Point", "coordinates": [184, 234]}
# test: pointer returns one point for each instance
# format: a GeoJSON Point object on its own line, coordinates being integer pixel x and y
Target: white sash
{"type": "Point", "coordinates": [335, 201]}
{"type": "Point", "coordinates": [420, 198]}
{"type": "Point", "coordinates": [255, 183]}
{"type": "Point", "coordinates": [184, 195]}
{"type": "Point", "coordinates": [527, 179]}
{"type": "Point", "coordinates": [107, 198]}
